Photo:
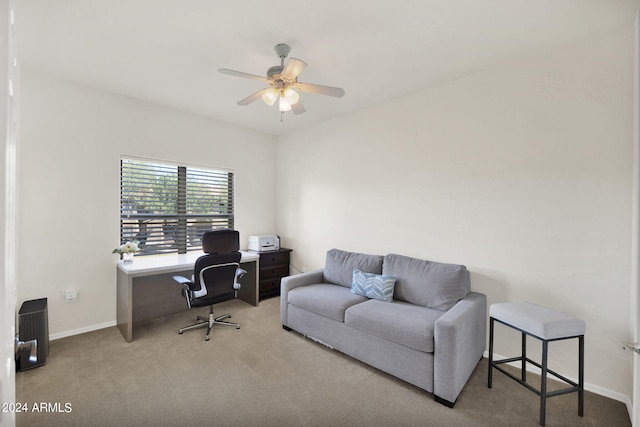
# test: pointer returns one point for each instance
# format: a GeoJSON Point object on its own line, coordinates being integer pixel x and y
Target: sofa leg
{"type": "Point", "coordinates": [444, 402]}
{"type": "Point", "coordinates": [286, 328]}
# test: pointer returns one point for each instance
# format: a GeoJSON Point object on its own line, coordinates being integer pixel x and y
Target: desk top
{"type": "Point", "coordinates": [145, 265]}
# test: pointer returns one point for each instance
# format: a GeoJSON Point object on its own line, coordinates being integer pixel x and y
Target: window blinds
{"type": "Point", "coordinates": [166, 208]}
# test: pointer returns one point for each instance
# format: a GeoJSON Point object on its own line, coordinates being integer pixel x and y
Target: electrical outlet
{"type": "Point", "coordinates": [70, 294]}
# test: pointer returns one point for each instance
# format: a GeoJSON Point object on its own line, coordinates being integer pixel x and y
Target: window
{"type": "Point", "coordinates": [166, 207]}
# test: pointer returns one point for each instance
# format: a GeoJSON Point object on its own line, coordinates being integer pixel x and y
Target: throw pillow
{"type": "Point", "coordinates": [376, 286]}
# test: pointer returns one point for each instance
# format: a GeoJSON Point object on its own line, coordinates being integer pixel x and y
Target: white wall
{"type": "Point", "coordinates": [521, 172]}
{"type": "Point", "coordinates": [635, 221]}
{"type": "Point", "coordinates": [72, 138]}
{"type": "Point", "coordinates": [7, 212]}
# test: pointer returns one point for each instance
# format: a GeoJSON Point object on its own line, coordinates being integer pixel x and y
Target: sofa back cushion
{"type": "Point", "coordinates": [427, 283]}
{"type": "Point", "coordinates": [338, 268]}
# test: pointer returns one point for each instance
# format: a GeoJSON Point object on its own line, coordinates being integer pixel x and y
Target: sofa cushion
{"type": "Point", "coordinates": [376, 286]}
{"type": "Point", "coordinates": [427, 283]}
{"type": "Point", "coordinates": [401, 322]}
{"type": "Point", "coordinates": [339, 266]}
{"type": "Point", "coordinates": [324, 299]}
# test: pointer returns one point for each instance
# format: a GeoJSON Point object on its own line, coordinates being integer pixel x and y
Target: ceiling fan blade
{"type": "Point", "coordinates": [298, 108]}
{"type": "Point", "coordinates": [241, 74]}
{"type": "Point", "coordinates": [320, 89]}
{"type": "Point", "coordinates": [251, 98]}
{"type": "Point", "coordinates": [293, 68]}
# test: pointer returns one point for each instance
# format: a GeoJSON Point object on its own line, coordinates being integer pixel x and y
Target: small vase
{"type": "Point", "coordinates": [127, 257]}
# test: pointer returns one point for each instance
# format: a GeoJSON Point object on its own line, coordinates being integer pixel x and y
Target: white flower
{"type": "Point", "coordinates": [128, 247]}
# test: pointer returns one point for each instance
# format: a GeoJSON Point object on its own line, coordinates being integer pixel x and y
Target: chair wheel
{"type": "Point", "coordinates": [180, 332]}
{"type": "Point", "coordinates": [238, 327]}
{"type": "Point", "coordinates": [206, 338]}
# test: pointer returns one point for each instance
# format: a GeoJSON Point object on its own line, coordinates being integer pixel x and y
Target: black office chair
{"type": "Point", "coordinates": [215, 277]}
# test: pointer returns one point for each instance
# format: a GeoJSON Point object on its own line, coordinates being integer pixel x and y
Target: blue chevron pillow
{"type": "Point", "coordinates": [374, 286]}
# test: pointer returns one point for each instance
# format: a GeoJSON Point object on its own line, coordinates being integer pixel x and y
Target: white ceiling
{"type": "Point", "coordinates": [168, 51]}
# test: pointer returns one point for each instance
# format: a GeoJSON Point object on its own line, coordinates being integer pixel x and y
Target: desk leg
{"type": "Point", "coordinates": [124, 309]}
{"type": "Point", "coordinates": [249, 289]}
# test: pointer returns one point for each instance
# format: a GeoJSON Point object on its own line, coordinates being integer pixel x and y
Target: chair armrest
{"type": "Point", "coordinates": [290, 282]}
{"type": "Point", "coordinates": [187, 288]}
{"type": "Point", "coordinates": [239, 273]}
{"type": "Point", "coordinates": [182, 280]}
{"type": "Point", "coordinates": [459, 343]}
{"type": "Point", "coordinates": [186, 283]}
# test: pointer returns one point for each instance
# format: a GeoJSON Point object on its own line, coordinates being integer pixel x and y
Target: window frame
{"type": "Point", "coordinates": [167, 228]}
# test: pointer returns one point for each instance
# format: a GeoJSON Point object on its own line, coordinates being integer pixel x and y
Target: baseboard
{"type": "Point", "coordinates": [81, 330]}
{"type": "Point", "coordinates": [589, 387]}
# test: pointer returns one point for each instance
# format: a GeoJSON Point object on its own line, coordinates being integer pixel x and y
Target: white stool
{"type": "Point", "coordinates": [546, 325]}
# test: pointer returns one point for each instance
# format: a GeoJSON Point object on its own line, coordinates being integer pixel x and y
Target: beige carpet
{"type": "Point", "coordinates": [260, 375]}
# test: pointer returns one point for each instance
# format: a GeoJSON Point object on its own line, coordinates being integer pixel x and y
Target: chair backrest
{"type": "Point", "coordinates": [214, 273]}
{"type": "Point", "coordinates": [222, 241]}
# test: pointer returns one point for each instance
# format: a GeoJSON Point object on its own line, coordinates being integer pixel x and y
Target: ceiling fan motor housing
{"type": "Point", "coordinates": [275, 70]}
{"type": "Point", "coordinates": [274, 73]}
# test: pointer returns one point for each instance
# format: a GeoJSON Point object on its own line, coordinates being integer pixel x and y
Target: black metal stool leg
{"type": "Point", "coordinates": [543, 382]}
{"type": "Point", "coordinates": [581, 375]}
{"type": "Point", "coordinates": [490, 378]}
{"type": "Point", "coordinates": [524, 357]}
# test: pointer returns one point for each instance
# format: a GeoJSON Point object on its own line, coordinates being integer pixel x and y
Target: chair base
{"type": "Point", "coordinates": [208, 323]}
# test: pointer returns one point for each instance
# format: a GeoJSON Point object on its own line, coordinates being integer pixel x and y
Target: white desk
{"type": "Point", "coordinates": [146, 290]}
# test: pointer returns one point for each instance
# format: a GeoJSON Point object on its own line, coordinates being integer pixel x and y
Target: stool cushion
{"type": "Point", "coordinates": [542, 322]}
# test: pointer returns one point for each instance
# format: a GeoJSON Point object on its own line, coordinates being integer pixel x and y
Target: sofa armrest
{"type": "Point", "coordinates": [459, 343]}
{"type": "Point", "coordinates": [290, 282]}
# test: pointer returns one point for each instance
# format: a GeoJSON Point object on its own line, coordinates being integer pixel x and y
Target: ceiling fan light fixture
{"type": "Point", "coordinates": [291, 96]}
{"type": "Point", "coordinates": [284, 105]}
{"type": "Point", "coordinates": [269, 96]}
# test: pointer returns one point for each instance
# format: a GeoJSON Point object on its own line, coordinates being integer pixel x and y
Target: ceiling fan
{"type": "Point", "coordinates": [283, 84]}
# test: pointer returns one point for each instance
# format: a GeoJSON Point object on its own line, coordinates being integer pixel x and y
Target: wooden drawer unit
{"type": "Point", "coordinates": [274, 266]}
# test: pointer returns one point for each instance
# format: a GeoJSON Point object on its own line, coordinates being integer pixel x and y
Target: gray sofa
{"type": "Point", "coordinates": [432, 334]}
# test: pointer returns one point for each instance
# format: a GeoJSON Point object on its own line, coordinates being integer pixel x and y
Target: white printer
{"type": "Point", "coordinates": [264, 243]}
